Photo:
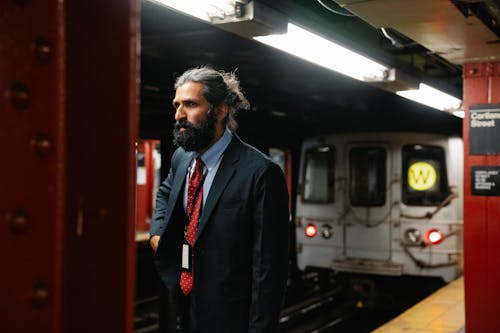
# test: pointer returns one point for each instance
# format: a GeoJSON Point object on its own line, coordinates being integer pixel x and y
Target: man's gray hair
{"type": "Point", "coordinates": [219, 88]}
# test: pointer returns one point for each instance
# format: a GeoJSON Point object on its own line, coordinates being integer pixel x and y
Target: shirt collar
{"type": "Point", "coordinates": [213, 154]}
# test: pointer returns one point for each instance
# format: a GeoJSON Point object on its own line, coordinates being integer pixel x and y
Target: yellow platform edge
{"type": "Point", "coordinates": [441, 312]}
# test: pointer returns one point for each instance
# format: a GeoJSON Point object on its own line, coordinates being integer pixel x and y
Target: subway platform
{"type": "Point", "coordinates": [441, 312]}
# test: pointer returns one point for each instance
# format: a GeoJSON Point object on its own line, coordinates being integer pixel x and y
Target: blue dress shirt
{"type": "Point", "coordinates": [212, 158]}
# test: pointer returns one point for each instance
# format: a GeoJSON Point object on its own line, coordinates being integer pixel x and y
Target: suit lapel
{"type": "Point", "coordinates": [222, 177]}
{"type": "Point", "coordinates": [177, 185]}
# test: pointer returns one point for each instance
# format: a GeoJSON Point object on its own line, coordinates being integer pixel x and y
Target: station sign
{"type": "Point", "coordinates": [484, 129]}
{"type": "Point", "coordinates": [485, 180]}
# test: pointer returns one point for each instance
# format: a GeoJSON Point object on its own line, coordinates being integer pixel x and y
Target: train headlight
{"type": "Point", "coordinates": [433, 237]}
{"type": "Point", "coordinates": [412, 236]}
{"type": "Point", "coordinates": [326, 231]}
{"type": "Point", "coordinates": [310, 230]}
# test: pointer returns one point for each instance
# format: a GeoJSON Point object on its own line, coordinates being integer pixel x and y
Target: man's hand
{"type": "Point", "coordinates": [153, 241]}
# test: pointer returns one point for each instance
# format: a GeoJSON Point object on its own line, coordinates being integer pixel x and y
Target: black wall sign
{"type": "Point", "coordinates": [484, 129]}
{"type": "Point", "coordinates": [485, 180]}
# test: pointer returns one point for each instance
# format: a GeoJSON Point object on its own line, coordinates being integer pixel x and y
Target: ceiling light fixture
{"type": "Point", "coordinates": [318, 50]}
{"type": "Point", "coordinates": [202, 9]}
{"type": "Point", "coordinates": [432, 97]}
{"type": "Point", "coordinates": [241, 17]}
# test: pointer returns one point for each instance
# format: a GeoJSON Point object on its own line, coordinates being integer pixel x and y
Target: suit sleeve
{"type": "Point", "coordinates": [157, 221]}
{"type": "Point", "coordinates": [270, 250]}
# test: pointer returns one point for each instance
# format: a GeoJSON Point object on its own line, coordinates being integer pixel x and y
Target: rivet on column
{"type": "Point", "coordinates": [43, 50]}
{"type": "Point", "coordinates": [42, 145]}
{"type": "Point", "coordinates": [19, 95]}
{"type": "Point", "coordinates": [472, 71]}
{"type": "Point", "coordinates": [40, 294]}
{"type": "Point", "coordinates": [19, 221]}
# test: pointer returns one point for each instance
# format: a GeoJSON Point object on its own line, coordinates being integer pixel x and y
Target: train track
{"type": "Point", "coordinates": [294, 318]}
{"type": "Point", "coordinates": [325, 312]}
{"type": "Point", "coordinates": [321, 305]}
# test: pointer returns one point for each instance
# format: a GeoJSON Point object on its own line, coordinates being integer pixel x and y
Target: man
{"type": "Point", "coordinates": [220, 227]}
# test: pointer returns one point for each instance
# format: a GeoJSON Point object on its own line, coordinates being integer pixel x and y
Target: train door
{"type": "Point", "coordinates": [367, 227]}
{"type": "Point", "coordinates": [319, 206]}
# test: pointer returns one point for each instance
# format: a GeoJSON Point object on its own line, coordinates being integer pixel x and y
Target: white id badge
{"type": "Point", "coordinates": [186, 257]}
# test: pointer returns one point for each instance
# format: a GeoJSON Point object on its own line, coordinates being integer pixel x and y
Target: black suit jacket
{"type": "Point", "coordinates": [241, 248]}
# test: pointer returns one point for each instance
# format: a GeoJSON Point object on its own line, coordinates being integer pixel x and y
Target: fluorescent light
{"type": "Point", "coordinates": [202, 9]}
{"type": "Point", "coordinates": [320, 51]}
{"type": "Point", "coordinates": [297, 41]}
{"type": "Point", "coordinates": [432, 97]}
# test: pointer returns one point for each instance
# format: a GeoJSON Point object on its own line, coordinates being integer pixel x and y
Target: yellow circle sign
{"type": "Point", "coordinates": [421, 176]}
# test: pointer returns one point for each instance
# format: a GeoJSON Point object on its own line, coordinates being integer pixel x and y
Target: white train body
{"type": "Point", "coordinates": [376, 203]}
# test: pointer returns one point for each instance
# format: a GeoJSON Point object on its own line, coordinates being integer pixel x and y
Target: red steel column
{"type": "Point", "coordinates": [481, 213]}
{"type": "Point", "coordinates": [102, 117]}
{"type": "Point", "coordinates": [32, 165]}
{"type": "Point", "coordinates": [68, 123]}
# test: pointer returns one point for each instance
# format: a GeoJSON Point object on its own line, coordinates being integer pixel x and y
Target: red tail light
{"type": "Point", "coordinates": [311, 230]}
{"type": "Point", "coordinates": [433, 236]}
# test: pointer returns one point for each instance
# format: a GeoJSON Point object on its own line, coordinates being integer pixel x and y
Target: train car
{"type": "Point", "coordinates": [382, 204]}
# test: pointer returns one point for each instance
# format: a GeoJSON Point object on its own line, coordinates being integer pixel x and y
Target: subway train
{"type": "Point", "coordinates": [382, 204]}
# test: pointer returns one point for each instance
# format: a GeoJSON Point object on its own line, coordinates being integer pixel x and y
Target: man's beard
{"type": "Point", "coordinates": [195, 137]}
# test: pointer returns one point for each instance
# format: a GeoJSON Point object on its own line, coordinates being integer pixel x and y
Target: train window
{"type": "Point", "coordinates": [424, 182]}
{"type": "Point", "coordinates": [367, 180]}
{"type": "Point", "coordinates": [319, 175]}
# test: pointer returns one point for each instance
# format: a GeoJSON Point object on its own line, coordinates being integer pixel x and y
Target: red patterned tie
{"type": "Point", "coordinates": [193, 206]}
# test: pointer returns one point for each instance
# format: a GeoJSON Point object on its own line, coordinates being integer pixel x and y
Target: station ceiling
{"type": "Point", "coordinates": [290, 97]}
